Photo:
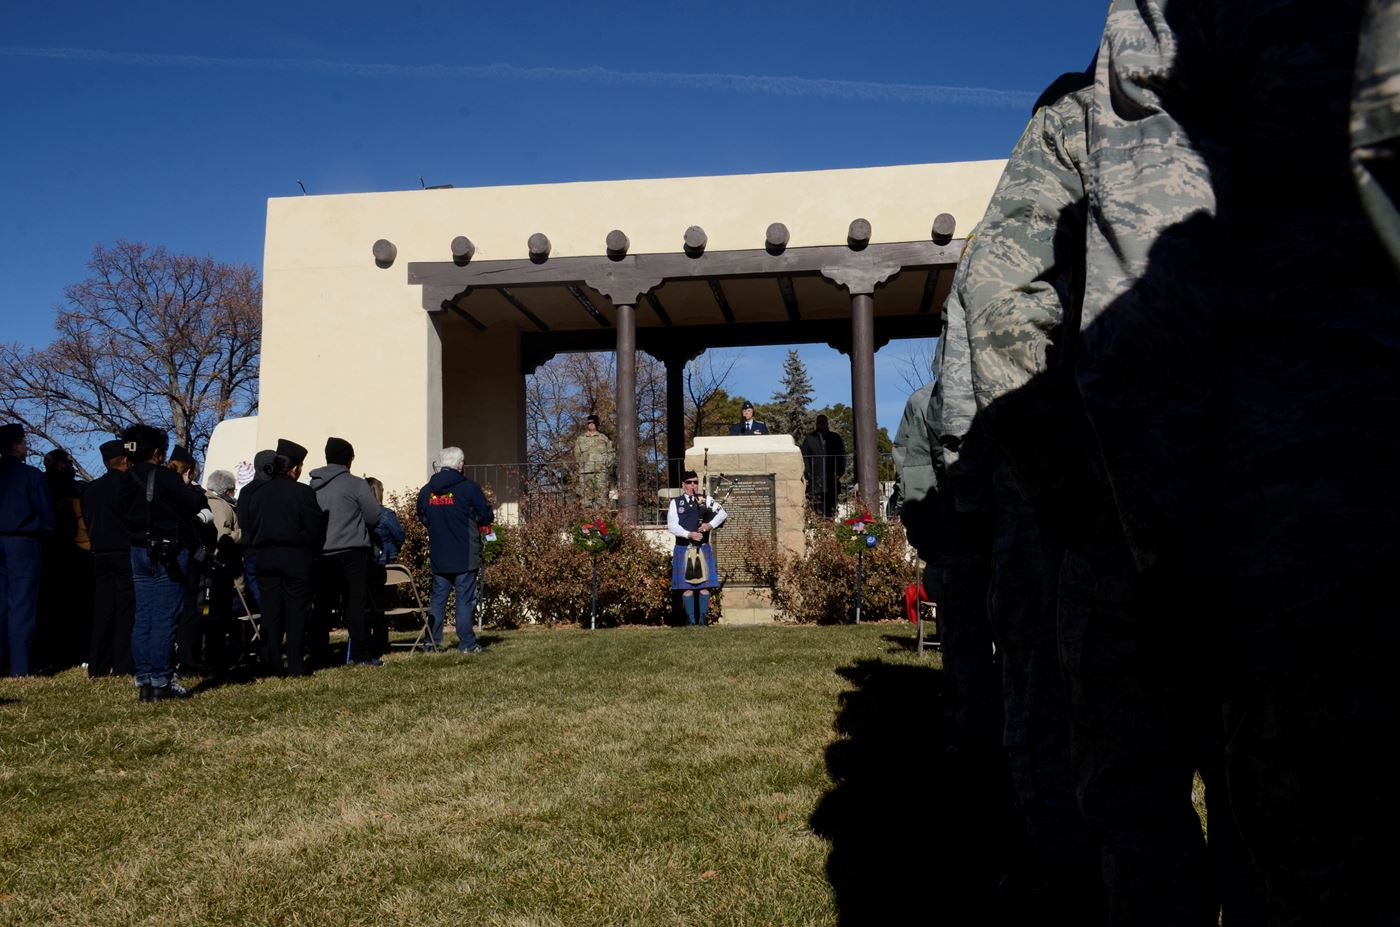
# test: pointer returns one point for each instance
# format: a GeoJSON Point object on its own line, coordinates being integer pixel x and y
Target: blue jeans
{"type": "Point", "coordinates": [19, 602]}
{"type": "Point", "coordinates": [466, 606]}
{"type": "Point", "coordinates": [160, 593]}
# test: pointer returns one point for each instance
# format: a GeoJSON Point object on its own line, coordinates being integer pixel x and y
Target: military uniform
{"type": "Point", "coordinates": [594, 456]}
{"type": "Point", "coordinates": [1240, 362]}
{"type": "Point", "coordinates": [114, 608]}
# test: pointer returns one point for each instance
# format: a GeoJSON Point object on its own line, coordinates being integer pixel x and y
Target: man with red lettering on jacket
{"type": "Point", "coordinates": [452, 508]}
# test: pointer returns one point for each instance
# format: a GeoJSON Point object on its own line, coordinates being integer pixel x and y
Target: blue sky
{"type": "Point", "coordinates": [174, 122]}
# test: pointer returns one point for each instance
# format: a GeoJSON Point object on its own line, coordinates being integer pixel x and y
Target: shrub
{"type": "Point", "coordinates": [539, 577]}
{"type": "Point", "coordinates": [820, 586]}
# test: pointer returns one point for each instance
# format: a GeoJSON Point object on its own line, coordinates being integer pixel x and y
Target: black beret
{"type": "Point", "coordinates": [112, 450]}
{"type": "Point", "coordinates": [339, 451]}
{"type": "Point", "coordinates": [689, 475]}
{"type": "Point", "coordinates": [179, 455]}
{"type": "Point", "coordinates": [291, 450]}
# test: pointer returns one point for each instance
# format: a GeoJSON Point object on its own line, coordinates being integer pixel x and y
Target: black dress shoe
{"type": "Point", "coordinates": [172, 691]}
{"type": "Point", "coordinates": [144, 693]}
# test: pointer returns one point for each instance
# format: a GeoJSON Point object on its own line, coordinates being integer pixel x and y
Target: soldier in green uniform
{"type": "Point", "coordinates": [594, 456]}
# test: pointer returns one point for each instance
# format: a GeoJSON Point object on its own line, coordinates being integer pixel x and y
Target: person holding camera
{"type": "Point", "coordinates": [161, 513]}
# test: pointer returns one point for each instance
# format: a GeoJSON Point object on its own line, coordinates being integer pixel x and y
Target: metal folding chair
{"type": "Point", "coordinates": [928, 614]}
{"type": "Point", "coordinates": [396, 574]}
{"type": "Point", "coordinates": [254, 622]}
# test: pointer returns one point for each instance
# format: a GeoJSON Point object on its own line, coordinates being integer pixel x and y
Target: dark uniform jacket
{"type": "Point", "coordinates": [282, 513]}
{"type": "Point", "coordinates": [173, 510]}
{"type": "Point", "coordinates": [759, 428]}
{"type": "Point", "coordinates": [453, 508]}
{"type": "Point", "coordinates": [26, 505]}
{"type": "Point", "coordinates": [102, 510]}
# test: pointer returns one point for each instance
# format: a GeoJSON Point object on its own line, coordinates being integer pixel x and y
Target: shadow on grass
{"type": "Point", "coordinates": [916, 836]}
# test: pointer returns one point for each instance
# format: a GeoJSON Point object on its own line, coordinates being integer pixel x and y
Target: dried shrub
{"type": "Point", "coordinates": [540, 578]}
{"type": "Point", "coordinates": [820, 586]}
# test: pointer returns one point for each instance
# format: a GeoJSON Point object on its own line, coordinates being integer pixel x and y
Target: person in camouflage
{"type": "Point", "coordinates": [1375, 121]}
{"type": "Point", "coordinates": [1240, 363]}
{"type": "Point", "coordinates": [960, 565]}
{"type": "Point", "coordinates": [594, 456]}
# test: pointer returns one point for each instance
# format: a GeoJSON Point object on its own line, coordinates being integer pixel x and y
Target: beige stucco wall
{"type": "Point", "coordinates": [348, 350]}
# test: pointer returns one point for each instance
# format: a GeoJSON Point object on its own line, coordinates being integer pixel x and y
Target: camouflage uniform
{"type": "Point", "coordinates": [913, 463]}
{"type": "Point", "coordinates": [1240, 363]}
{"type": "Point", "coordinates": [1017, 280]}
{"type": "Point", "coordinates": [594, 455]}
{"type": "Point", "coordinates": [1375, 121]}
{"type": "Point", "coordinates": [960, 567]}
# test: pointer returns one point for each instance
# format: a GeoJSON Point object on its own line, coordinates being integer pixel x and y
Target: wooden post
{"type": "Point", "coordinates": [627, 425]}
{"type": "Point", "coordinates": [675, 419]}
{"type": "Point", "coordinates": [863, 398]}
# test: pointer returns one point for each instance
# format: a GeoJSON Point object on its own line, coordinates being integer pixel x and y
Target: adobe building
{"type": "Point", "coordinates": [407, 321]}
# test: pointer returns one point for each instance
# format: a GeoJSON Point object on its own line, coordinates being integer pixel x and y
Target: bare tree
{"type": "Point", "coordinates": [705, 379]}
{"type": "Point", "coordinates": [168, 339]}
{"type": "Point", "coordinates": [916, 364]}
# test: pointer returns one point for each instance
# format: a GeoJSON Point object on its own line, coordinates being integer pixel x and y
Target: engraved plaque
{"type": "Point", "coordinates": [750, 499]}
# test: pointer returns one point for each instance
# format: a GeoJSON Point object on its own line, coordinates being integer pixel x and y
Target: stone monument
{"type": "Point", "coordinates": [759, 480]}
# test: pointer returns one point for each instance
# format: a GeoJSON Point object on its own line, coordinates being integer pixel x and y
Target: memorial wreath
{"type": "Point", "coordinates": [594, 536]}
{"type": "Point", "coordinates": [860, 533]}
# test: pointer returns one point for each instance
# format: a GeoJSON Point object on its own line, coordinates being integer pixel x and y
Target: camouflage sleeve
{"type": "Point", "coordinates": [1020, 265]}
{"type": "Point", "coordinates": [952, 406]}
{"type": "Point", "coordinates": [1375, 121]}
{"type": "Point", "coordinates": [1144, 359]}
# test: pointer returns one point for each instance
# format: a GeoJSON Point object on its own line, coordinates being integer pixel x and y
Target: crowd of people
{"type": "Point", "coordinates": [1157, 475]}
{"type": "Point", "coordinates": [141, 572]}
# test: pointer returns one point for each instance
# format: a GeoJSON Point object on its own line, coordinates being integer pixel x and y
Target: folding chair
{"type": "Point", "coordinates": [928, 612]}
{"type": "Point", "coordinates": [254, 621]}
{"type": "Point", "coordinates": [396, 574]}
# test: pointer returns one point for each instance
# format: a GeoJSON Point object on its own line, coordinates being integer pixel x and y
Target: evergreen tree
{"type": "Point", "coordinates": [788, 412]}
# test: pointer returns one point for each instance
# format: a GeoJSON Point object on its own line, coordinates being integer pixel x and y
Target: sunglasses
{"type": "Point", "coordinates": [688, 482]}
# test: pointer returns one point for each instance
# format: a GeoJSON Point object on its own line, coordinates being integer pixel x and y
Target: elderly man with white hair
{"type": "Point", "coordinates": [454, 509]}
{"type": "Point", "coordinates": [223, 538]}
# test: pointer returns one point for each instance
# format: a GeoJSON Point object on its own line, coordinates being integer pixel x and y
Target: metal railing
{"type": "Point", "coordinates": [512, 487]}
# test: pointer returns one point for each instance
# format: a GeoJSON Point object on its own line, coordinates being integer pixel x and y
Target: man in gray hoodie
{"type": "Point", "coordinates": [353, 512]}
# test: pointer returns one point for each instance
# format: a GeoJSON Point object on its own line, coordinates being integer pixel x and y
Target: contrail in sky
{"type": "Point", "coordinates": [922, 94]}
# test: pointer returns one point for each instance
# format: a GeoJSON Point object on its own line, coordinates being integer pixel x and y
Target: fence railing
{"type": "Point", "coordinates": [830, 485]}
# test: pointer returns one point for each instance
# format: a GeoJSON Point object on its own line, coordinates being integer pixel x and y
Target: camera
{"type": "Point", "coordinates": [163, 550]}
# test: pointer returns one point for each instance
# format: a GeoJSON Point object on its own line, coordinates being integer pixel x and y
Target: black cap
{"type": "Point", "coordinates": [689, 475]}
{"type": "Point", "coordinates": [339, 451]}
{"type": "Point", "coordinates": [291, 450]}
{"type": "Point", "coordinates": [746, 405]}
{"type": "Point", "coordinates": [178, 454]}
{"type": "Point", "coordinates": [11, 434]}
{"type": "Point", "coordinates": [593, 419]}
{"type": "Point", "coordinates": [111, 450]}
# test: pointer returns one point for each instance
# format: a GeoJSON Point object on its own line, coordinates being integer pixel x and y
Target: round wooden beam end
{"type": "Point", "coordinates": [859, 232]}
{"type": "Point", "coordinates": [462, 248]}
{"type": "Point", "coordinates": [539, 245]}
{"type": "Point", "coordinates": [385, 252]}
{"type": "Point", "coordinates": [944, 225]}
{"type": "Point", "coordinates": [776, 236]}
{"type": "Point", "coordinates": [695, 238]}
{"type": "Point", "coordinates": [617, 242]}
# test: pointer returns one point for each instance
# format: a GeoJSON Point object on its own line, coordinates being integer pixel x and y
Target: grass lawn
{"type": "Point", "coordinates": [648, 777]}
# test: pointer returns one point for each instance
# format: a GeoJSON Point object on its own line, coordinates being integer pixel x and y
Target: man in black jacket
{"type": "Point", "coordinates": [285, 528]}
{"type": "Point", "coordinates": [454, 509]}
{"type": "Point", "coordinates": [114, 602]}
{"type": "Point", "coordinates": [160, 512]}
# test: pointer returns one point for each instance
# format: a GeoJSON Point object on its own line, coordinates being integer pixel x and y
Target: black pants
{"type": "Point", "coordinates": [341, 588]}
{"type": "Point", "coordinates": [189, 630]}
{"type": "Point", "coordinates": [113, 616]}
{"type": "Point", "coordinates": [284, 576]}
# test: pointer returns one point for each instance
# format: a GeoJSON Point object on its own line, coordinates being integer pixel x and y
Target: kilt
{"type": "Point", "coordinates": [678, 556]}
